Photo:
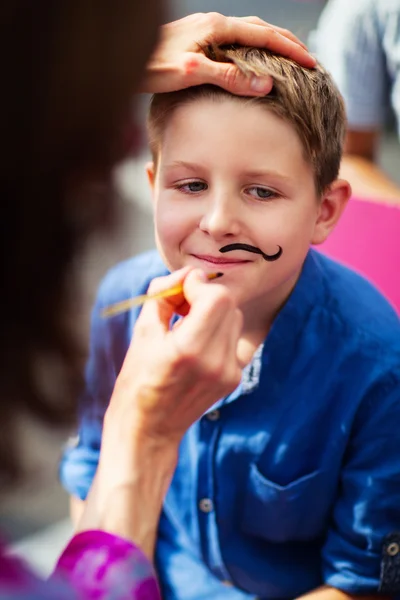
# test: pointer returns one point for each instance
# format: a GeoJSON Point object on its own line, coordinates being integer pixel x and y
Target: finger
{"type": "Point", "coordinates": [291, 36]}
{"type": "Point", "coordinates": [236, 328]}
{"type": "Point", "coordinates": [281, 30]}
{"type": "Point", "coordinates": [196, 284]}
{"type": "Point", "coordinates": [231, 78]}
{"type": "Point", "coordinates": [157, 313]}
{"type": "Point", "coordinates": [177, 324]}
{"type": "Point", "coordinates": [236, 31]}
{"type": "Point", "coordinates": [183, 308]}
{"type": "Point", "coordinates": [159, 284]}
{"type": "Point", "coordinates": [210, 305]}
{"type": "Point", "coordinates": [219, 351]}
{"type": "Point", "coordinates": [231, 332]}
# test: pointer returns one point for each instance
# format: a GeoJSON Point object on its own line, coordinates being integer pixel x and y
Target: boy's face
{"type": "Point", "coordinates": [230, 172]}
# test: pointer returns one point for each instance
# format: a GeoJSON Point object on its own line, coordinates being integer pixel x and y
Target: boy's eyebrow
{"type": "Point", "coordinates": [182, 163]}
{"type": "Point", "coordinates": [267, 173]}
{"type": "Point", "coordinates": [248, 174]}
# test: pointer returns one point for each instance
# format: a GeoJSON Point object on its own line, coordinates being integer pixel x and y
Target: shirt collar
{"type": "Point", "coordinates": [279, 346]}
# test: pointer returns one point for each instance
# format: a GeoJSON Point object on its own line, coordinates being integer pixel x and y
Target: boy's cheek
{"type": "Point", "coordinates": [168, 235]}
{"type": "Point", "coordinates": [294, 239]}
{"type": "Point", "coordinates": [173, 225]}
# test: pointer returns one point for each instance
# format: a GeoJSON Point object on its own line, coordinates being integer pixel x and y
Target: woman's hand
{"type": "Point", "coordinates": [179, 62]}
{"type": "Point", "coordinates": [168, 380]}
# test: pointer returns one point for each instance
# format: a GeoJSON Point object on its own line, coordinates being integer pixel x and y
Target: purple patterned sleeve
{"type": "Point", "coordinates": [102, 566]}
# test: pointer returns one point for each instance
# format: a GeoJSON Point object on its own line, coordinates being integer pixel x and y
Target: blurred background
{"type": "Point", "coordinates": [35, 514]}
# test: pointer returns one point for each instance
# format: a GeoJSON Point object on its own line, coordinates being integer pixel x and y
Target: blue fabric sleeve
{"type": "Point", "coordinates": [109, 341]}
{"type": "Point", "coordinates": [79, 462]}
{"type": "Point", "coordinates": [348, 43]}
{"type": "Point", "coordinates": [367, 508]}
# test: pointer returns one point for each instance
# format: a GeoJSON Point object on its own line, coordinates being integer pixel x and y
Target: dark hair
{"type": "Point", "coordinates": [69, 69]}
{"type": "Point", "coordinates": [307, 99]}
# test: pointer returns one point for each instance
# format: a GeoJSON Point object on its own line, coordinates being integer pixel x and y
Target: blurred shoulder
{"type": "Point", "coordinates": [131, 277]}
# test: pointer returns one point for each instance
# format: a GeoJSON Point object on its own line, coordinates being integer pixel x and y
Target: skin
{"type": "Point", "coordinates": [206, 195]}
{"type": "Point", "coordinates": [179, 61]}
{"type": "Point", "coordinates": [147, 416]}
{"type": "Point", "coordinates": [196, 363]}
{"type": "Point", "coordinates": [140, 442]}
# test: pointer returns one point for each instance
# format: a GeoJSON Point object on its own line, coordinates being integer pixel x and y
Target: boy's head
{"type": "Point", "coordinates": [307, 99]}
{"type": "Point", "coordinates": [256, 171]}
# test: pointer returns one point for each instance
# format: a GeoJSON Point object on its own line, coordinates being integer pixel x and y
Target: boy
{"type": "Point", "coordinates": [292, 482]}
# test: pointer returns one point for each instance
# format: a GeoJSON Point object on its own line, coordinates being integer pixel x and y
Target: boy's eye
{"type": "Point", "coordinates": [192, 187]}
{"type": "Point", "coordinates": [261, 193]}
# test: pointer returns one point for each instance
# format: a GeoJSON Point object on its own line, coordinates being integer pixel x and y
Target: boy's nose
{"type": "Point", "coordinates": [221, 218]}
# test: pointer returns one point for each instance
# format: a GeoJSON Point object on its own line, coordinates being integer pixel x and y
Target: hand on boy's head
{"type": "Point", "coordinates": [179, 61]}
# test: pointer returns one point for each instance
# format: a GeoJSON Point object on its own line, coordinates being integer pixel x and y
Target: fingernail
{"type": "Point", "coordinates": [260, 85]}
{"type": "Point", "coordinates": [312, 58]}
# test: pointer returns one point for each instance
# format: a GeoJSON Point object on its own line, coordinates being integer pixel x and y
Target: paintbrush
{"type": "Point", "coordinates": [120, 307]}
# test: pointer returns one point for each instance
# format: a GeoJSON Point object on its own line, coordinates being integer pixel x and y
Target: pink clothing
{"type": "Point", "coordinates": [367, 240]}
{"type": "Point", "coordinates": [94, 566]}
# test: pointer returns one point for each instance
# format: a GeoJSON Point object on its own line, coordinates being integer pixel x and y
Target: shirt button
{"type": "Point", "coordinates": [227, 583]}
{"type": "Point", "coordinates": [206, 505]}
{"type": "Point", "coordinates": [213, 415]}
{"type": "Point", "coordinates": [393, 549]}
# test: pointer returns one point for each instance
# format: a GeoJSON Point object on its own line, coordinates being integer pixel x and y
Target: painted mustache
{"type": "Point", "coordinates": [253, 249]}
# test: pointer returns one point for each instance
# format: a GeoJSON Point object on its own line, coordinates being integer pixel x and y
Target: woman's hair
{"type": "Point", "coordinates": [308, 99]}
{"type": "Point", "coordinates": [69, 69]}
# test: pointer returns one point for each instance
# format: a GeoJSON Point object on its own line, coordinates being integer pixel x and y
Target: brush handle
{"type": "Point", "coordinates": [121, 307]}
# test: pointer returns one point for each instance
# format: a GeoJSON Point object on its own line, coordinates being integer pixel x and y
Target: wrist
{"type": "Point", "coordinates": [129, 488]}
{"type": "Point", "coordinates": [132, 509]}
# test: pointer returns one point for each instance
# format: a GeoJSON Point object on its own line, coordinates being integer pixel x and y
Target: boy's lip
{"type": "Point", "coordinates": [220, 260]}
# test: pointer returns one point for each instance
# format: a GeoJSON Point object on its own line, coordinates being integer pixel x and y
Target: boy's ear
{"type": "Point", "coordinates": [151, 174]}
{"type": "Point", "coordinates": [333, 203]}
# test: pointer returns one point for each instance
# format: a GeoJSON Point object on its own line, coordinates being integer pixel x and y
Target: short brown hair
{"type": "Point", "coordinates": [306, 98]}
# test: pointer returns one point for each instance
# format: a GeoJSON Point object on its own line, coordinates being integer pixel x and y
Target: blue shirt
{"type": "Point", "coordinates": [293, 480]}
{"type": "Point", "coordinates": [358, 41]}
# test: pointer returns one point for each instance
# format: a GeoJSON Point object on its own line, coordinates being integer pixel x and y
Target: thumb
{"type": "Point", "coordinates": [194, 285]}
{"type": "Point", "coordinates": [231, 78]}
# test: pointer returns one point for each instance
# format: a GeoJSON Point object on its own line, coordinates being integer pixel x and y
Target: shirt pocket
{"type": "Point", "coordinates": [282, 513]}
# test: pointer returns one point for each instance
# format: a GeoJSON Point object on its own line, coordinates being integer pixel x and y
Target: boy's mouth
{"type": "Point", "coordinates": [220, 260]}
